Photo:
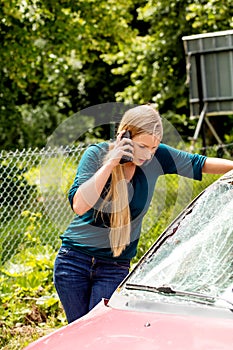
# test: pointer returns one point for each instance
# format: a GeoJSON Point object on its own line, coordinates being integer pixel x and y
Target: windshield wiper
{"type": "Point", "coordinates": [166, 289]}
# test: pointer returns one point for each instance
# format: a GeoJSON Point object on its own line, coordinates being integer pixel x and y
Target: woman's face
{"type": "Point", "coordinates": [145, 146]}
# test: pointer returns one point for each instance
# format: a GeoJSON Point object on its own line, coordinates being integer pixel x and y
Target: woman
{"type": "Point", "coordinates": [110, 198]}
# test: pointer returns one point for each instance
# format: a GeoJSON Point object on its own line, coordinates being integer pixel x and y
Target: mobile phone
{"type": "Point", "coordinates": [126, 159]}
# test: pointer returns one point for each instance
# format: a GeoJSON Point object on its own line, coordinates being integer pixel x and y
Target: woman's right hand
{"type": "Point", "coordinates": [121, 147]}
{"type": "Point", "coordinates": [89, 192]}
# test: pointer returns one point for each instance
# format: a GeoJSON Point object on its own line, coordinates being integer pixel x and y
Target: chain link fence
{"type": "Point", "coordinates": [33, 195]}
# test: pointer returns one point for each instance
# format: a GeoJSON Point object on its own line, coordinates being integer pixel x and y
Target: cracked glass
{"type": "Point", "coordinates": [197, 255]}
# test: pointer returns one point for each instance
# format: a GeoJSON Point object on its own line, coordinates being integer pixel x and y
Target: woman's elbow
{"type": "Point", "coordinates": [78, 209]}
{"type": "Point", "coordinates": [81, 204]}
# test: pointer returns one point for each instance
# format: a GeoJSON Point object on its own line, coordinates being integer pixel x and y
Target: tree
{"type": "Point", "coordinates": [155, 60]}
{"type": "Point", "coordinates": [51, 57]}
{"type": "Point", "coordinates": [59, 57]}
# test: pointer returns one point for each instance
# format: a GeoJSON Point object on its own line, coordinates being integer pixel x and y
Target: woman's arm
{"type": "Point", "coordinates": [89, 192]}
{"type": "Point", "coordinates": [217, 166]}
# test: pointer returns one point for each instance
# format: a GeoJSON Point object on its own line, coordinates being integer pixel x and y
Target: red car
{"type": "Point", "coordinates": [179, 296]}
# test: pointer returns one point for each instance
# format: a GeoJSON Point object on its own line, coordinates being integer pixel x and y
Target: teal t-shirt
{"type": "Point", "coordinates": [89, 233]}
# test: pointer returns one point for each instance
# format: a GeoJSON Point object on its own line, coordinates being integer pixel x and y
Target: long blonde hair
{"type": "Point", "coordinates": [142, 119]}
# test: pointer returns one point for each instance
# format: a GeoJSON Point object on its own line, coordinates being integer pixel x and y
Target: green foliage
{"type": "Point", "coordinates": [58, 58]}
{"type": "Point", "coordinates": [50, 58]}
{"type": "Point", "coordinates": [59, 173]}
{"type": "Point", "coordinates": [13, 184]}
{"type": "Point", "coordinates": [27, 228]}
{"type": "Point", "coordinates": [155, 60]}
{"type": "Point", "coordinates": [27, 293]}
{"type": "Point", "coordinates": [211, 15]}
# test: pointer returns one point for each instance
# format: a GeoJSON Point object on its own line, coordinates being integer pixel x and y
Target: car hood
{"type": "Point", "coordinates": [107, 328]}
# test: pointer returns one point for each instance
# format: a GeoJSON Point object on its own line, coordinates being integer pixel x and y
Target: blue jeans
{"type": "Point", "coordinates": [82, 281]}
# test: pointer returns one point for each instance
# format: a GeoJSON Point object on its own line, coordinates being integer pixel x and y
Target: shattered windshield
{"type": "Point", "coordinates": [199, 256]}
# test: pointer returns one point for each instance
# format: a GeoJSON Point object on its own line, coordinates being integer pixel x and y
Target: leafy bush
{"type": "Point", "coordinates": [27, 293]}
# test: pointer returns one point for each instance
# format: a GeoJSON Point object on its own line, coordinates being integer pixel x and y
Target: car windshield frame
{"type": "Point", "coordinates": [173, 263]}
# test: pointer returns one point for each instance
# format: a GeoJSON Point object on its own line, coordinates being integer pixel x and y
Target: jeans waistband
{"type": "Point", "coordinates": [91, 256]}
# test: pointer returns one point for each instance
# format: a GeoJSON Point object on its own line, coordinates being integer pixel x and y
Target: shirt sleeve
{"type": "Point", "coordinates": [174, 161]}
{"type": "Point", "coordinates": [90, 162]}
